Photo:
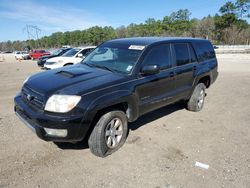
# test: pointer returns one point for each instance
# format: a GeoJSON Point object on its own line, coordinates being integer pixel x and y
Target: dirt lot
{"type": "Point", "coordinates": [161, 149]}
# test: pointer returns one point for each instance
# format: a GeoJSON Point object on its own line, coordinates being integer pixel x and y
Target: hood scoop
{"type": "Point", "coordinates": [72, 73]}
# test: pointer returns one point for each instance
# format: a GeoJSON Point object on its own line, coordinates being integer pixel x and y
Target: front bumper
{"type": "Point", "coordinates": [38, 120]}
{"type": "Point", "coordinates": [52, 66]}
{"type": "Point", "coordinates": [40, 63]}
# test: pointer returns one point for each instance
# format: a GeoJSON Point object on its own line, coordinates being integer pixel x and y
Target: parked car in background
{"type": "Point", "coordinates": [73, 56]}
{"type": "Point", "coordinates": [6, 52]}
{"type": "Point", "coordinates": [36, 54]}
{"type": "Point", "coordinates": [41, 61]}
{"type": "Point", "coordinates": [22, 55]}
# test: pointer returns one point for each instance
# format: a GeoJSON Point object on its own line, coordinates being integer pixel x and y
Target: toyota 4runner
{"type": "Point", "coordinates": [118, 82]}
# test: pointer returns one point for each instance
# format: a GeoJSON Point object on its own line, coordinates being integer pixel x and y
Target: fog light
{"type": "Point", "coordinates": [56, 132]}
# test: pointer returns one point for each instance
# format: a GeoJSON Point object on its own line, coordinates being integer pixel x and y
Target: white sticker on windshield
{"type": "Point", "coordinates": [129, 68]}
{"type": "Point", "coordinates": [136, 47]}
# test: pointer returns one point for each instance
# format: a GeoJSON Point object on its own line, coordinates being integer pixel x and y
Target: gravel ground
{"type": "Point", "coordinates": [161, 149]}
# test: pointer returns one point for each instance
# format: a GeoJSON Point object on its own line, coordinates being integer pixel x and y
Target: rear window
{"type": "Point", "coordinates": [71, 52]}
{"type": "Point", "coordinates": [181, 53]}
{"type": "Point", "coordinates": [205, 50]}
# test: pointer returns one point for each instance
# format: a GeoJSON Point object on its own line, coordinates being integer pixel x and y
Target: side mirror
{"type": "Point", "coordinates": [150, 69]}
{"type": "Point", "coordinates": [80, 55]}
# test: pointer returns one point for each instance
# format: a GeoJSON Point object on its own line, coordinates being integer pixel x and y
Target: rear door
{"type": "Point", "coordinates": [185, 64]}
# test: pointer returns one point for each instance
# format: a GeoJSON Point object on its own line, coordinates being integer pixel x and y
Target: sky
{"type": "Point", "coordinates": [65, 15]}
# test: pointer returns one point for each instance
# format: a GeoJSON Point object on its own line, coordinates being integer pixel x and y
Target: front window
{"type": "Point", "coordinates": [160, 55]}
{"type": "Point", "coordinates": [71, 52]}
{"type": "Point", "coordinates": [116, 58]}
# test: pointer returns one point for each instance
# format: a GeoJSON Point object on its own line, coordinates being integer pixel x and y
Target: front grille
{"type": "Point", "coordinates": [32, 98]}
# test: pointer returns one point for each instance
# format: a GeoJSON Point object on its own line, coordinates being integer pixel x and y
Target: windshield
{"type": "Point", "coordinates": [57, 52]}
{"type": "Point", "coordinates": [71, 52]}
{"type": "Point", "coordinates": [120, 59]}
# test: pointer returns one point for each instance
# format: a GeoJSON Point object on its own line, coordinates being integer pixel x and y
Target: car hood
{"type": "Point", "coordinates": [73, 80]}
{"type": "Point", "coordinates": [60, 58]}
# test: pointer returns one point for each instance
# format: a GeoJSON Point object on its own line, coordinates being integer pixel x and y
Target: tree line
{"type": "Point", "coordinates": [228, 26]}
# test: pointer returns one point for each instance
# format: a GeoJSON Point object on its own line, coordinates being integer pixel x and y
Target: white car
{"type": "Point", "coordinates": [71, 57]}
{"type": "Point", "coordinates": [22, 55]}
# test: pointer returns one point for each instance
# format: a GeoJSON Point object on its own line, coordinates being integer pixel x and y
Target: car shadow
{"type": "Point", "coordinates": [157, 114]}
{"type": "Point", "coordinates": [143, 120]}
{"type": "Point", "coordinates": [73, 146]}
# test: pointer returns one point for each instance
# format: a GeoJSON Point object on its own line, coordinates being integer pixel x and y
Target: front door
{"type": "Point", "coordinates": [156, 90]}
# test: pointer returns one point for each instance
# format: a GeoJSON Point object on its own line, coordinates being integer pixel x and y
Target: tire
{"type": "Point", "coordinates": [109, 133]}
{"type": "Point", "coordinates": [197, 99]}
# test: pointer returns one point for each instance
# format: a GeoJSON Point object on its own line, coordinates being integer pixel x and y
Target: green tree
{"type": "Point", "coordinates": [180, 15]}
{"type": "Point", "coordinates": [228, 8]}
{"type": "Point", "coordinates": [243, 7]}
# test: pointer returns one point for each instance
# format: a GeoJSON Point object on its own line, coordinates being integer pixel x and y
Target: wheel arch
{"type": "Point", "coordinates": [206, 80]}
{"type": "Point", "coordinates": [66, 64]}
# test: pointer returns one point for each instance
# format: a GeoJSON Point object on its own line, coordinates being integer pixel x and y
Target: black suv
{"type": "Point", "coordinates": [42, 60]}
{"type": "Point", "coordinates": [115, 84]}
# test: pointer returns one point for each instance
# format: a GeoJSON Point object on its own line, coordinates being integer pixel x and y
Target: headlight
{"type": "Point", "coordinates": [62, 103]}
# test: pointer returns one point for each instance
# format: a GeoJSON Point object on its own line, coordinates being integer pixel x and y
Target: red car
{"type": "Point", "coordinates": [36, 54]}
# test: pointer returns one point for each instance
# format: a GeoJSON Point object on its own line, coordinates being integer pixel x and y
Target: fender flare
{"type": "Point", "coordinates": [114, 98]}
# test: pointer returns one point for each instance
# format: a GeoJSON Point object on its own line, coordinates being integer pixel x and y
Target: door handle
{"type": "Point", "coordinates": [194, 68]}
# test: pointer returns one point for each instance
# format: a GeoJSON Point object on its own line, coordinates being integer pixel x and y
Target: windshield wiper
{"type": "Point", "coordinates": [86, 64]}
{"type": "Point", "coordinates": [101, 67]}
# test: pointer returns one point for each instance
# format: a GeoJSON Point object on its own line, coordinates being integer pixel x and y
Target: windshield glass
{"type": "Point", "coordinates": [120, 59]}
{"type": "Point", "coordinates": [57, 52]}
{"type": "Point", "coordinates": [71, 52]}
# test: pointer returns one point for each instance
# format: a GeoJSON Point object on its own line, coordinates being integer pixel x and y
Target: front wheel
{"type": "Point", "coordinates": [196, 101]}
{"type": "Point", "coordinates": [109, 134]}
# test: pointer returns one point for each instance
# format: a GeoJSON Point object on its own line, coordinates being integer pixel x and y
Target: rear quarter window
{"type": "Point", "coordinates": [205, 50]}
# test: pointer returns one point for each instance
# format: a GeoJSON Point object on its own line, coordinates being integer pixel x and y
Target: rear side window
{"type": "Point", "coordinates": [160, 55]}
{"type": "Point", "coordinates": [86, 51]}
{"type": "Point", "coordinates": [205, 50]}
{"type": "Point", "coordinates": [181, 53]}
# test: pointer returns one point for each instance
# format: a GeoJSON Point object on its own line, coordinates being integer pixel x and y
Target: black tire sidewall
{"type": "Point", "coordinates": [101, 128]}
{"type": "Point", "coordinates": [192, 103]}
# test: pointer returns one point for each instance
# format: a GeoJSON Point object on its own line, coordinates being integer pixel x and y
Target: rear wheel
{"type": "Point", "coordinates": [196, 101]}
{"type": "Point", "coordinates": [109, 134]}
